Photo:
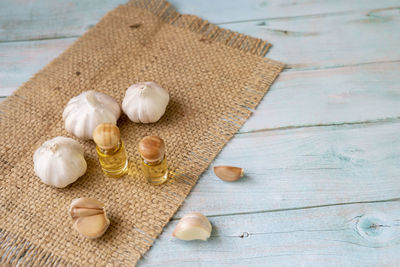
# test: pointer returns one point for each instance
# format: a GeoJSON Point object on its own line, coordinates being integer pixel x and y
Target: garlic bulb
{"type": "Point", "coordinates": [87, 110]}
{"type": "Point", "coordinates": [89, 217]}
{"type": "Point", "coordinates": [145, 102]}
{"type": "Point", "coordinates": [59, 161]}
{"type": "Point", "coordinates": [193, 226]}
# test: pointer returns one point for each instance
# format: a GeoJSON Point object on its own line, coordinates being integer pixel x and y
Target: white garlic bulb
{"type": "Point", "coordinates": [145, 102]}
{"type": "Point", "coordinates": [87, 110]}
{"type": "Point", "coordinates": [59, 161]}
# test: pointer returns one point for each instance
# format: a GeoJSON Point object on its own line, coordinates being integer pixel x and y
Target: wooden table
{"type": "Point", "coordinates": [321, 152]}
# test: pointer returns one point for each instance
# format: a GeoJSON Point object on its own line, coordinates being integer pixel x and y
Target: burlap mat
{"type": "Point", "coordinates": [214, 76]}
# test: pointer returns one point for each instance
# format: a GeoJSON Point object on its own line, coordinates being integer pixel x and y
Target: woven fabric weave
{"type": "Point", "coordinates": [215, 78]}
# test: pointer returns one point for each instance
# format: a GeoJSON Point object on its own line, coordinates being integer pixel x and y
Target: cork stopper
{"type": "Point", "coordinates": [152, 148]}
{"type": "Point", "coordinates": [106, 136]}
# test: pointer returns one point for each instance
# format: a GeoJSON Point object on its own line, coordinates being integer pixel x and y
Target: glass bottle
{"type": "Point", "coordinates": [110, 149]}
{"type": "Point", "coordinates": [154, 162]}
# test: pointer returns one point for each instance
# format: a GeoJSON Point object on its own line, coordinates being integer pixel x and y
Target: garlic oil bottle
{"type": "Point", "coordinates": [110, 150]}
{"type": "Point", "coordinates": [154, 162]}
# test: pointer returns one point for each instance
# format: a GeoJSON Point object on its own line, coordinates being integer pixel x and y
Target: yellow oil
{"type": "Point", "coordinates": [156, 173]}
{"type": "Point", "coordinates": [113, 161]}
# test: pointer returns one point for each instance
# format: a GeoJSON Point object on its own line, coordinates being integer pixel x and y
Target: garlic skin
{"type": "Point", "coordinates": [59, 161]}
{"type": "Point", "coordinates": [145, 102]}
{"type": "Point", "coordinates": [84, 112]}
{"type": "Point", "coordinates": [228, 173]}
{"type": "Point", "coordinates": [193, 226]}
{"type": "Point", "coordinates": [89, 217]}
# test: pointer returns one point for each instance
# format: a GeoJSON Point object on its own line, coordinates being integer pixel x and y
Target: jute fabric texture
{"type": "Point", "coordinates": [215, 79]}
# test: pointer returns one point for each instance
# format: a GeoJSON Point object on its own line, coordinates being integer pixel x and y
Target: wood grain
{"type": "Point", "coordinates": [328, 41]}
{"type": "Point", "coordinates": [32, 20]}
{"type": "Point", "coordinates": [27, 19]}
{"type": "Point", "coordinates": [353, 94]}
{"type": "Point", "coordinates": [226, 11]}
{"type": "Point", "coordinates": [309, 166]}
{"type": "Point", "coordinates": [352, 235]}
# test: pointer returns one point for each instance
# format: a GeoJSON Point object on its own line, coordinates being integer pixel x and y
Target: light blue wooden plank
{"type": "Point", "coordinates": [303, 167]}
{"type": "Point", "coordinates": [225, 11]}
{"type": "Point", "coordinates": [330, 41]}
{"type": "Point", "coordinates": [330, 96]}
{"type": "Point", "coordinates": [27, 19]}
{"type": "Point", "coordinates": [352, 235]}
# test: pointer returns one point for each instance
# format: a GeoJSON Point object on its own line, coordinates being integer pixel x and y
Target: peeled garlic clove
{"type": "Point", "coordinates": [228, 173]}
{"type": "Point", "coordinates": [89, 217]}
{"type": "Point", "coordinates": [193, 226]}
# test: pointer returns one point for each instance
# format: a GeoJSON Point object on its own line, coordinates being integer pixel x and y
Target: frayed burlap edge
{"type": "Point", "coordinates": [168, 14]}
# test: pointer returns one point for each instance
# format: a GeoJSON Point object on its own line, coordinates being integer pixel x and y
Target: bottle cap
{"type": "Point", "coordinates": [152, 148]}
{"type": "Point", "coordinates": [106, 135]}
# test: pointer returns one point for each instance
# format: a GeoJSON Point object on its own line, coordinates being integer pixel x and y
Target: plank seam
{"type": "Point", "coordinates": [317, 15]}
{"type": "Point", "coordinates": [367, 122]}
{"type": "Point", "coordinates": [298, 208]}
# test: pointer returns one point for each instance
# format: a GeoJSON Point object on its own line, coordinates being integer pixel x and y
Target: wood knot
{"type": "Point", "coordinates": [244, 235]}
{"type": "Point", "coordinates": [376, 229]}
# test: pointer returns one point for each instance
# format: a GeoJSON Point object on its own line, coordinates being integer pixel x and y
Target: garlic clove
{"type": "Point", "coordinates": [82, 212]}
{"type": "Point", "coordinates": [228, 173]}
{"type": "Point", "coordinates": [89, 203]}
{"type": "Point", "coordinates": [195, 233]}
{"type": "Point", "coordinates": [193, 226]}
{"type": "Point", "coordinates": [92, 226]}
{"type": "Point", "coordinates": [89, 217]}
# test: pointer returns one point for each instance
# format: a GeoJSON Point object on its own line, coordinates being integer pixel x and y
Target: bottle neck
{"type": "Point", "coordinates": [156, 162]}
{"type": "Point", "coordinates": [111, 150]}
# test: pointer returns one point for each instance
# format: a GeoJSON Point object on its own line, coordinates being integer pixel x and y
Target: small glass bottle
{"type": "Point", "coordinates": [154, 162]}
{"type": "Point", "coordinates": [110, 149]}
